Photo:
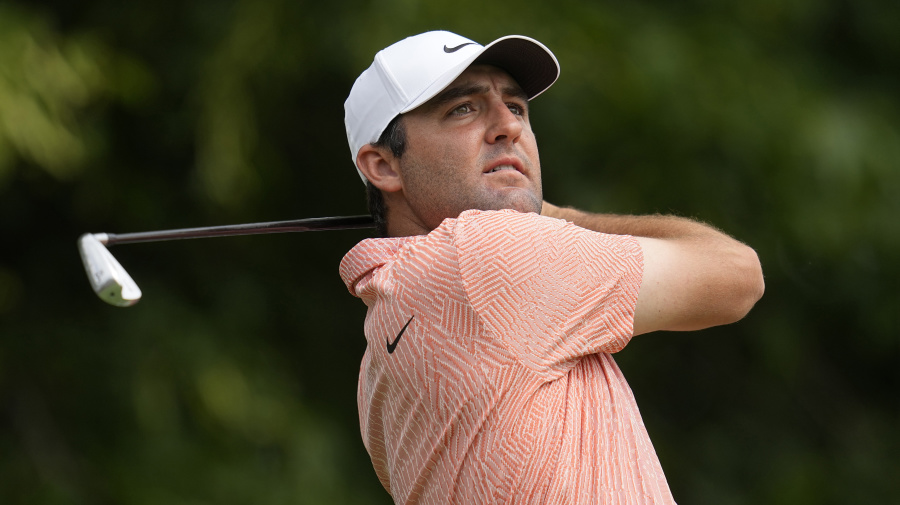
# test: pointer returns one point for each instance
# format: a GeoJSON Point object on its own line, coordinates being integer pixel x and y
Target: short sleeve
{"type": "Point", "coordinates": [552, 291]}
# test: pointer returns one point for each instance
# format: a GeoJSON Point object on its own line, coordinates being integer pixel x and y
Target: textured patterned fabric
{"type": "Point", "coordinates": [501, 388]}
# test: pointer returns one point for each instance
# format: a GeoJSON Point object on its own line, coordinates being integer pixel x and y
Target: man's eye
{"type": "Point", "coordinates": [462, 109]}
{"type": "Point", "coordinates": [516, 109]}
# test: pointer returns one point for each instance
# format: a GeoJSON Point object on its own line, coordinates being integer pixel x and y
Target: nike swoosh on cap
{"type": "Point", "coordinates": [457, 48]}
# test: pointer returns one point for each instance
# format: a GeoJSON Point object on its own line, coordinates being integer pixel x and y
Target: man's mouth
{"type": "Point", "coordinates": [501, 167]}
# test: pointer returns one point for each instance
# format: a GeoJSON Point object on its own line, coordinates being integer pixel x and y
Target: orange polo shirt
{"type": "Point", "coordinates": [488, 375]}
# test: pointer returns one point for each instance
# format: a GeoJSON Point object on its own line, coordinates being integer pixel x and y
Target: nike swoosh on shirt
{"type": "Point", "coordinates": [457, 48]}
{"type": "Point", "coordinates": [393, 345]}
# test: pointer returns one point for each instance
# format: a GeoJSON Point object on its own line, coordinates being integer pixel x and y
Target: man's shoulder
{"type": "Point", "coordinates": [502, 221]}
{"type": "Point", "coordinates": [470, 228]}
{"type": "Point", "coordinates": [499, 236]}
{"type": "Point", "coordinates": [493, 236]}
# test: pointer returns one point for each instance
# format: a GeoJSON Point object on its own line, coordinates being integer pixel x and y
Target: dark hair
{"type": "Point", "coordinates": [394, 138]}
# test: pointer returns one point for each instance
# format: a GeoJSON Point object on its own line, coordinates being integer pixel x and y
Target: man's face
{"type": "Point", "coordinates": [471, 147]}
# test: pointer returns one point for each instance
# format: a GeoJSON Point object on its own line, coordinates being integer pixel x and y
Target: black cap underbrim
{"type": "Point", "coordinates": [530, 64]}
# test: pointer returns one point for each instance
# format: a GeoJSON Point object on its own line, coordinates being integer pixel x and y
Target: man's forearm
{"type": "Point", "coordinates": [651, 226]}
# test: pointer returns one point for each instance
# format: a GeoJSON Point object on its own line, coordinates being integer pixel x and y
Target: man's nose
{"type": "Point", "coordinates": [504, 124]}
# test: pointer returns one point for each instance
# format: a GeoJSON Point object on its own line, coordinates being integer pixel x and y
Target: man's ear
{"type": "Point", "coordinates": [380, 167]}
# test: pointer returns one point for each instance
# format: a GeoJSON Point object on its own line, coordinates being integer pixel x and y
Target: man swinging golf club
{"type": "Point", "coordinates": [493, 315]}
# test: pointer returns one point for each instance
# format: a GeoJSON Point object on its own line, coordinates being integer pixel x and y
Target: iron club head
{"type": "Point", "coordinates": [110, 281]}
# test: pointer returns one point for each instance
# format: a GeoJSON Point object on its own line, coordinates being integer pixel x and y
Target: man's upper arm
{"type": "Point", "coordinates": [692, 284]}
{"type": "Point", "coordinates": [551, 291]}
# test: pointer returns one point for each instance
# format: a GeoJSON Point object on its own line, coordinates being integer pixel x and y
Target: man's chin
{"type": "Point", "coordinates": [522, 201]}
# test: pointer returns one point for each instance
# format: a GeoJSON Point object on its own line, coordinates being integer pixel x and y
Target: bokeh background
{"type": "Point", "coordinates": [234, 380]}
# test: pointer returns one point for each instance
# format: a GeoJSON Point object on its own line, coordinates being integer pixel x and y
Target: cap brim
{"type": "Point", "coordinates": [528, 61]}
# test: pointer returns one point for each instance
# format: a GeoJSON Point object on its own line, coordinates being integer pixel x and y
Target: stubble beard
{"type": "Point", "coordinates": [438, 194]}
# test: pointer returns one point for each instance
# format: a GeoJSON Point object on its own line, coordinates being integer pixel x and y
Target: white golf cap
{"type": "Point", "coordinates": [410, 72]}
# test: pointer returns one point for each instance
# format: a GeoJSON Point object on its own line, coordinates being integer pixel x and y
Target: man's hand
{"type": "Point", "coordinates": [694, 275]}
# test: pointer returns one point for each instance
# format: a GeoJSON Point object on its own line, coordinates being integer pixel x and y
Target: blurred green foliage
{"type": "Point", "coordinates": [234, 380]}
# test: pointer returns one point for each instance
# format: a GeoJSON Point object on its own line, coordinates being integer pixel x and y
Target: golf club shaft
{"type": "Point", "coordinates": [310, 224]}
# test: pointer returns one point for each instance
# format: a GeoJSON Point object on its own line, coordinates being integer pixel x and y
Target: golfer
{"type": "Point", "coordinates": [492, 314]}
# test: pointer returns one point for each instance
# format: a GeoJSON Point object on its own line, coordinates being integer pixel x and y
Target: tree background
{"type": "Point", "coordinates": [234, 380]}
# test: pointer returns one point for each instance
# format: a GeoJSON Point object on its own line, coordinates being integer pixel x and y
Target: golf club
{"type": "Point", "coordinates": [113, 284]}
